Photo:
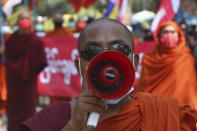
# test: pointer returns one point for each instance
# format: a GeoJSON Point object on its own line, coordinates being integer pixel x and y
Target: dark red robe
{"type": "Point", "coordinates": [25, 58]}
{"type": "Point", "coordinates": [52, 118]}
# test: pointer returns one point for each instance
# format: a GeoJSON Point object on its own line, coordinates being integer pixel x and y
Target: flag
{"type": "Point", "coordinates": [116, 9]}
{"type": "Point", "coordinates": [166, 12]}
{"type": "Point", "coordinates": [81, 3]}
{"type": "Point", "coordinates": [4, 1]}
{"type": "Point", "coordinates": [31, 4]}
{"type": "Point", "coordinates": [122, 11]}
{"type": "Point", "coordinates": [9, 5]}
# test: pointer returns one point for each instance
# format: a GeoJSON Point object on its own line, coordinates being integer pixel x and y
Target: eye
{"type": "Point", "coordinates": [90, 51]}
{"type": "Point", "coordinates": [93, 50]}
{"type": "Point", "coordinates": [121, 48]}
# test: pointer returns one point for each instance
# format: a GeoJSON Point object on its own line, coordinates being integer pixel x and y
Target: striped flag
{"type": "Point", "coordinates": [31, 3]}
{"type": "Point", "coordinates": [3, 2]}
{"type": "Point", "coordinates": [116, 10]}
{"type": "Point", "coordinates": [166, 12]}
{"type": "Point", "coordinates": [9, 5]}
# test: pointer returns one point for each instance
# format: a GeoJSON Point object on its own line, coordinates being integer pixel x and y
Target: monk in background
{"type": "Point", "coordinates": [169, 69]}
{"type": "Point", "coordinates": [6, 30]}
{"type": "Point", "coordinates": [59, 29]}
{"type": "Point", "coordinates": [25, 58]}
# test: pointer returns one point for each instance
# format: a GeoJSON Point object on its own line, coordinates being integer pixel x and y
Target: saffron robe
{"type": "Point", "coordinates": [3, 90]}
{"type": "Point", "coordinates": [170, 72]}
{"type": "Point", "coordinates": [61, 32]}
{"type": "Point", "coordinates": [151, 113]}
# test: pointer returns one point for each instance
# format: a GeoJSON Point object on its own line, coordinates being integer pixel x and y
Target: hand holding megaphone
{"type": "Point", "coordinates": [110, 76]}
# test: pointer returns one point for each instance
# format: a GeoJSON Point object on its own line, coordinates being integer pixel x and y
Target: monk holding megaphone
{"type": "Point", "coordinates": [108, 102]}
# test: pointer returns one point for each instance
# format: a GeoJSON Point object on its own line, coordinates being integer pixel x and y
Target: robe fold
{"type": "Point", "coordinates": [52, 118]}
{"type": "Point", "coordinates": [170, 72]}
{"type": "Point", "coordinates": [3, 90]}
{"type": "Point", "coordinates": [25, 58]}
{"type": "Point", "coordinates": [151, 113]}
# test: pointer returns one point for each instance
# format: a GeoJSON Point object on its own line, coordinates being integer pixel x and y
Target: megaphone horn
{"type": "Point", "coordinates": [110, 75]}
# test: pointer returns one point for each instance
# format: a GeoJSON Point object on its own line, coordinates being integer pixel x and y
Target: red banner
{"type": "Point", "coordinates": [141, 48]}
{"type": "Point", "coordinates": [60, 77]}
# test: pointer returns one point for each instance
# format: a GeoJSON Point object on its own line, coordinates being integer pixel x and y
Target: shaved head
{"type": "Point", "coordinates": [57, 16]}
{"type": "Point", "coordinates": [24, 14]}
{"type": "Point", "coordinates": [58, 20]}
{"type": "Point", "coordinates": [101, 35]}
{"type": "Point", "coordinates": [104, 21]}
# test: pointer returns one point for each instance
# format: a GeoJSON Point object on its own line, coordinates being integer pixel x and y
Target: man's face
{"type": "Point", "coordinates": [102, 36]}
{"type": "Point", "coordinates": [24, 23]}
{"type": "Point", "coordinates": [169, 30]}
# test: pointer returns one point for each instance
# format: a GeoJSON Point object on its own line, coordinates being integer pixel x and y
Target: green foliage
{"type": "Point", "coordinates": [100, 5]}
{"type": "Point", "coordinates": [14, 17]}
{"type": "Point", "coordinates": [50, 7]}
{"type": "Point", "coordinates": [139, 5]}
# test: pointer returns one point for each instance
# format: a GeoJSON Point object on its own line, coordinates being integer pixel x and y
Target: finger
{"type": "Point", "coordinates": [93, 100]}
{"type": "Point", "coordinates": [86, 108]}
{"type": "Point", "coordinates": [84, 84]}
{"type": "Point", "coordinates": [87, 92]}
{"type": "Point", "coordinates": [90, 98]}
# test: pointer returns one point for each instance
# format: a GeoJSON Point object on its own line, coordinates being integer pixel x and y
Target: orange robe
{"type": "Point", "coordinates": [146, 112]}
{"type": "Point", "coordinates": [61, 32]}
{"type": "Point", "coordinates": [170, 73]}
{"type": "Point", "coordinates": [3, 90]}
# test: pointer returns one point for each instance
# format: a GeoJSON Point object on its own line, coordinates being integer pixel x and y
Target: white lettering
{"type": "Point", "coordinates": [63, 66]}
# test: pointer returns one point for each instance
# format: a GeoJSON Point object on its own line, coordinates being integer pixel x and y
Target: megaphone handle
{"type": "Point", "coordinates": [93, 119]}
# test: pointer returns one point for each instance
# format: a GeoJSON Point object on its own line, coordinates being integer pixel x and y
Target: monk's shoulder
{"type": "Point", "coordinates": [158, 101]}
{"type": "Point", "coordinates": [50, 32]}
{"type": "Point", "coordinates": [34, 37]}
{"type": "Point", "coordinates": [11, 37]}
{"type": "Point", "coordinates": [52, 117]}
{"type": "Point", "coordinates": [34, 41]}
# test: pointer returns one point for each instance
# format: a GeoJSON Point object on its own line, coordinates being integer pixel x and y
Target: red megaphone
{"type": "Point", "coordinates": [110, 75]}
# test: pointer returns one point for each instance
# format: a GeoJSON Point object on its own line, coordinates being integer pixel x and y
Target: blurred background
{"type": "Point", "coordinates": [140, 16]}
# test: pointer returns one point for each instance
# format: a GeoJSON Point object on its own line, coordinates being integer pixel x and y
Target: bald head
{"type": "Point", "coordinates": [57, 16]}
{"type": "Point", "coordinates": [24, 15]}
{"type": "Point", "coordinates": [108, 25]}
{"type": "Point", "coordinates": [58, 20]}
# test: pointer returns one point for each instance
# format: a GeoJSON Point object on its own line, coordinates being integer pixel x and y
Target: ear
{"type": "Point", "coordinates": [77, 64]}
{"type": "Point", "coordinates": [136, 62]}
